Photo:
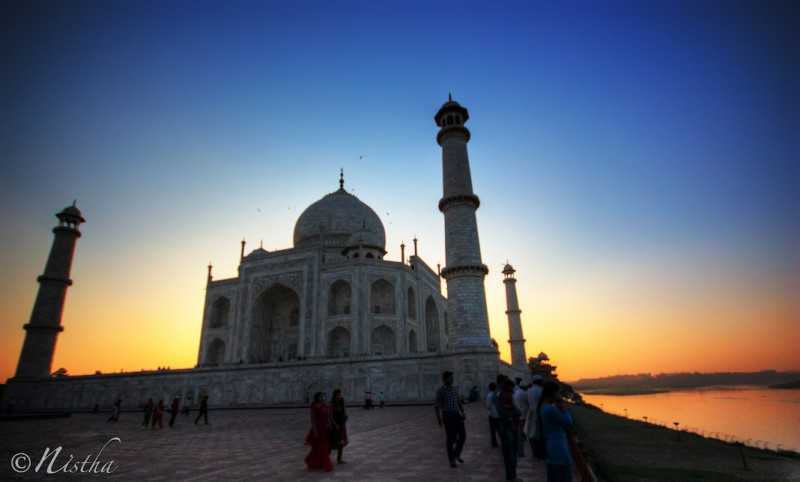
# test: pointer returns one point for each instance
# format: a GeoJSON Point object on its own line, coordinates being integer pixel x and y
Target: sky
{"type": "Point", "coordinates": [637, 163]}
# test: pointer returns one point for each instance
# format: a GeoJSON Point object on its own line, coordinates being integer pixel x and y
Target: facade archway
{"type": "Point", "coordinates": [383, 341]}
{"type": "Point", "coordinates": [215, 353]}
{"type": "Point", "coordinates": [339, 297]}
{"type": "Point", "coordinates": [274, 331]}
{"type": "Point", "coordinates": [220, 311]}
{"type": "Point", "coordinates": [412, 341]}
{"type": "Point", "coordinates": [432, 324]}
{"type": "Point", "coordinates": [382, 297]}
{"type": "Point", "coordinates": [412, 303]}
{"type": "Point", "coordinates": [339, 342]}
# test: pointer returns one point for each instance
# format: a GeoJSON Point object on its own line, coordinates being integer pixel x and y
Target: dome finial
{"type": "Point", "coordinates": [449, 97]}
{"type": "Point", "coordinates": [341, 178]}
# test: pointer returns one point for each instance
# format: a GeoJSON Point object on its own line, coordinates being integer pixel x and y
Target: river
{"type": "Point", "coordinates": [757, 416]}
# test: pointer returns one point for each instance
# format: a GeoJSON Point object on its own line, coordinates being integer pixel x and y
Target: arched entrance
{"type": "Point", "coordinates": [274, 332]}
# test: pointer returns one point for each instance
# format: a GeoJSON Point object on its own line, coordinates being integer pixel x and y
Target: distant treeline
{"type": "Point", "coordinates": [686, 380]}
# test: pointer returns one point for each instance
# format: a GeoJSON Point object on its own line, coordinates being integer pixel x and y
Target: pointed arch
{"type": "Point", "coordinates": [339, 298]}
{"type": "Point", "coordinates": [432, 324]}
{"type": "Point", "coordinates": [275, 321]}
{"type": "Point", "coordinates": [215, 353]}
{"type": "Point", "coordinates": [339, 342]}
{"type": "Point", "coordinates": [382, 297]}
{"type": "Point", "coordinates": [383, 341]}
{"type": "Point", "coordinates": [412, 341]}
{"type": "Point", "coordinates": [412, 303]}
{"type": "Point", "coordinates": [220, 311]}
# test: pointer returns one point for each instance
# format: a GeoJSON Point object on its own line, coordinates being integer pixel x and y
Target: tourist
{"type": "Point", "coordinates": [115, 411]}
{"type": "Point", "coordinates": [319, 436]}
{"type": "Point", "coordinates": [521, 402]}
{"type": "Point", "coordinates": [158, 415]}
{"type": "Point", "coordinates": [381, 400]}
{"type": "Point", "coordinates": [450, 414]}
{"type": "Point", "coordinates": [534, 396]}
{"type": "Point", "coordinates": [509, 427]}
{"type": "Point", "coordinates": [368, 401]}
{"type": "Point", "coordinates": [148, 412]}
{"type": "Point", "coordinates": [556, 422]}
{"type": "Point", "coordinates": [491, 395]}
{"type": "Point", "coordinates": [339, 432]}
{"type": "Point", "coordinates": [203, 412]}
{"type": "Point", "coordinates": [173, 411]}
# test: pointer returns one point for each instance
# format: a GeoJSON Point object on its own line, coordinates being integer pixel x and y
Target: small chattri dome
{"type": "Point", "coordinates": [71, 214]}
{"type": "Point", "coordinates": [508, 269]}
{"type": "Point", "coordinates": [450, 107]}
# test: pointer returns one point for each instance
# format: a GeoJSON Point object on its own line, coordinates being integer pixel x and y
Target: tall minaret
{"type": "Point", "coordinates": [516, 340]}
{"type": "Point", "coordinates": [464, 270]}
{"type": "Point", "coordinates": [40, 338]}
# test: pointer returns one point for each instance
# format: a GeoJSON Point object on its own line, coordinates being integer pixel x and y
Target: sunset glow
{"type": "Point", "coordinates": [645, 190]}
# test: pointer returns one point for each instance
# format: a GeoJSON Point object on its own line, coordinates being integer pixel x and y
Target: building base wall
{"type": "Point", "coordinates": [402, 378]}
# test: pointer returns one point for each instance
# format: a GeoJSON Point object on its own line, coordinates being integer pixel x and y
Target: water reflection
{"type": "Point", "coordinates": [762, 417]}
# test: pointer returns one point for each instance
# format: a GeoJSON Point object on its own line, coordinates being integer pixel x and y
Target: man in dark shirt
{"type": "Point", "coordinates": [450, 414]}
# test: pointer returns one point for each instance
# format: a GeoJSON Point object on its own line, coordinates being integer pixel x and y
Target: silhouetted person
{"type": "Point", "coordinates": [368, 401]}
{"type": "Point", "coordinates": [556, 423]}
{"type": "Point", "coordinates": [381, 400]}
{"type": "Point", "coordinates": [339, 428]}
{"type": "Point", "coordinates": [173, 411]}
{"type": "Point", "coordinates": [521, 402]}
{"type": "Point", "coordinates": [450, 414]}
{"type": "Point", "coordinates": [531, 420]}
{"type": "Point", "coordinates": [491, 408]}
{"type": "Point", "coordinates": [148, 412]}
{"type": "Point", "coordinates": [158, 415]}
{"type": "Point", "coordinates": [96, 408]}
{"type": "Point", "coordinates": [115, 411]}
{"type": "Point", "coordinates": [509, 427]}
{"type": "Point", "coordinates": [203, 410]}
{"type": "Point", "coordinates": [319, 436]}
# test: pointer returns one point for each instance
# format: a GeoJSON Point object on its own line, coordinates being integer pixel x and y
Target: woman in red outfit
{"type": "Point", "coordinates": [319, 435]}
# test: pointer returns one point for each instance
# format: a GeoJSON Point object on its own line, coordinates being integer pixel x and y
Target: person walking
{"type": "Point", "coordinates": [491, 408]}
{"type": "Point", "coordinates": [115, 411]}
{"type": "Point", "coordinates": [319, 436]}
{"type": "Point", "coordinates": [509, 428]}
{"type": "Point", "coordinates": [450, 414]}
{"type": "Point", "coordinates": [339, 428]}
{"type": "Point", "coordinates": [521, 402]}
{"type": "Point", "coordinates": [556, 423]}
{"type": "Point", "coordinates": [173, 411]}
{"type": "Point", "coordinates": [203, 412]}
{"type": "Point", "coordinates": [148, 412]}
{"type": "Point", "coordinates": [158, 415]}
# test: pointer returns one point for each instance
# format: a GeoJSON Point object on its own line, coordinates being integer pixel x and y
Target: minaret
{"type": "Point", "coordinates": [464, 270]}
{"type": "Point", "coordinates": [516, 340]}
{"type": "Point", "coordinates": [36, 357]}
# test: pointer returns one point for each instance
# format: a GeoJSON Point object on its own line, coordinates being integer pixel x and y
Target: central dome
{"type": "Point", "coordinates": [337, 217]}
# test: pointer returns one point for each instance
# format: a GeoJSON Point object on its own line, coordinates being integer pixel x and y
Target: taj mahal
{"type": "Point", "coordinates": [327, 312]}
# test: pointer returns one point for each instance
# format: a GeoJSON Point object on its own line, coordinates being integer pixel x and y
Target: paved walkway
{"type": "Point", "coordinates": [390, 444]}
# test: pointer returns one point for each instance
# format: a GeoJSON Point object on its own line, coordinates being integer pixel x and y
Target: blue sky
{"type": "Point", "coordinates": [608, 136]}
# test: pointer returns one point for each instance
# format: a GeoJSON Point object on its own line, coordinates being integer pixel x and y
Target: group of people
{"type": "Point", "coordinates": [154, 412]}
{"type": "Point", "coordinates": [328, 431]}
{"type": "Point", "coordinates": [534, 414]}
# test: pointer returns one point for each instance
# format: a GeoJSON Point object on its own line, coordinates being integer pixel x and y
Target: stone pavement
{"type": "Point", "coordinates": [390, 444]}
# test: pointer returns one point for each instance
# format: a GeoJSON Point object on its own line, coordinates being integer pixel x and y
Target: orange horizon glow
{"type": "Point", "coordinates": [145, 314]}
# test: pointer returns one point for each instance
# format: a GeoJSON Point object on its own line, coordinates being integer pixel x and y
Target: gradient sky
{"type": "Point", "coordinates": [637, 162]}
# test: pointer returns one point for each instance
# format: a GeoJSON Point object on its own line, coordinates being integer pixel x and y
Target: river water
{"type": "Point", "coordinates": [757, 416]}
